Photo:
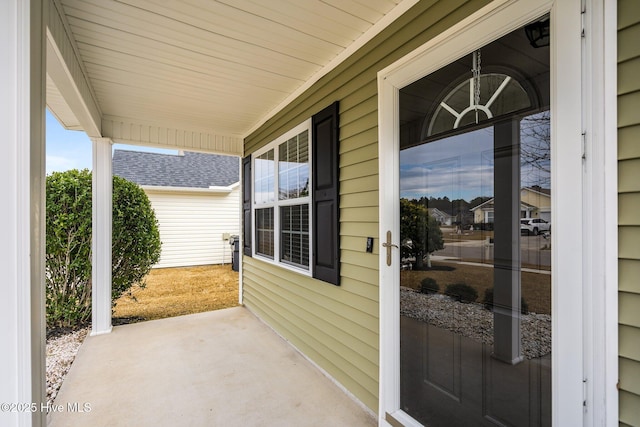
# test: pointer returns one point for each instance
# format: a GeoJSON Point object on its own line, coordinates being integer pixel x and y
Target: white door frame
{"type": "Point", "coordinates": [568, 338]}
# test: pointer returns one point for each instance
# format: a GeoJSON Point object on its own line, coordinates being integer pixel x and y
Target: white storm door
{"type": "Point", "coordinates": [490, 24]}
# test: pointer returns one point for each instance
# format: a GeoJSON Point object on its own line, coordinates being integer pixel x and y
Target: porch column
{"type": "Point", "coordinates": [506, 249]}
{"type": "Point", "coordinates": [102, 194]}
{"type": "Point", "coordinates": [22, 241]}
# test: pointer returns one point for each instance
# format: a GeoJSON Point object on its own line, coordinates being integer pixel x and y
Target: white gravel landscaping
{"type": "Point", "coordinates": [61, 351]}
{"type": "Point", "coordinates": [473, 321]}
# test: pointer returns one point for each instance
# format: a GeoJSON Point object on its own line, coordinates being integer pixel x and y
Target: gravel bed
{"type": "Point", "coordinates": [474, 321]}
{"type": "Point", "coordinates": [61, 350]}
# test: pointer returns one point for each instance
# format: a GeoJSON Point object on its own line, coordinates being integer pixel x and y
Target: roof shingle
{"type": "Point", "coordinates": [191, 170]}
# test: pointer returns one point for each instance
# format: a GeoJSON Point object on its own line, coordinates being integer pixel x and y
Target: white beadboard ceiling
{"type": "Point", "coordinates": [217, 66]}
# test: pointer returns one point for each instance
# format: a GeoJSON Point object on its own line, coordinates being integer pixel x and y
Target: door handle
{"type": "Point", "coordinates": [389, 246]}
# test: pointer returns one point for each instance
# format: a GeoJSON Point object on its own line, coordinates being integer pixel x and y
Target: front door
{"type": "Point", "coordinates": [470, 311]}
{"type": "Point", "coordinates": [475, 282]}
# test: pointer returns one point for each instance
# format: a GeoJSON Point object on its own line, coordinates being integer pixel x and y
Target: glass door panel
{"type": "Point", "coordinates": [475, 279]}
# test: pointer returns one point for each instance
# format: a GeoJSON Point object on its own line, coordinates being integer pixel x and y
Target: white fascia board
{"type": "Point", "coordinates": [367, 36]}
{"type": "Point", "coordinates": [225, 188]}
{"type": "Point", "coordinates": [128, 131]}
{"type": "Point", "coordinates": [66, 71]}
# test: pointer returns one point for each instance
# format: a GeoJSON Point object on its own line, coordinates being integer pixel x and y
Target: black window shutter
{"type": "Point", "coordinates": [246, 205]}
{"type": "Point", "coordinates": [326, 196]}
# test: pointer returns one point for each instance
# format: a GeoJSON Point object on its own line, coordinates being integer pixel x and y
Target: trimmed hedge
{"type": "Point", "coordinates": [136, 244]}
{"type": "Point", "coordinates": [461, 292]}
{"type": "Point", "coordinates": [428, 285]}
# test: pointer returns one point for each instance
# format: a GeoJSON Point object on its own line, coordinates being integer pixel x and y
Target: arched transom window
{"type": "Point", "coordinates": [481, 97]}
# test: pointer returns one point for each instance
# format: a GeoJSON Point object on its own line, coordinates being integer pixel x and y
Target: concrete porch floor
{"type": "Point", "coordinates": [221, 368]}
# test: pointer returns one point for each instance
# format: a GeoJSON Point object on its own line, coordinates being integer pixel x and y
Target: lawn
{"type": "Point", "coordinates": [449, 234]}
{"type": "Point", "coordinates": [177, 291]}
{"type": "Point", "coordinates": [536, 288]}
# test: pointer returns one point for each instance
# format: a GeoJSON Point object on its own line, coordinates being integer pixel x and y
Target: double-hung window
{"type": "Point", "coordinates": [282, 199]}
{"type": "Point", "coordinates": [291, 199]}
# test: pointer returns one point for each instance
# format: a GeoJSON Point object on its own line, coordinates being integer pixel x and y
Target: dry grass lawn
{"type": "Point", "coordinates": [536, 288]}
{"type": "Point", "coordinates": [177, 291]}
{"type": "Point", "coordinates": [449, 235]}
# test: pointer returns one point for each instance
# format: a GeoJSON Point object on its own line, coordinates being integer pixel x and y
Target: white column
{"type": "Point", "coordinates": [22, 173]}
{"type": "Point", "coordinates": [240, 231]}
{"type": "Point", "coordinates": [102, 195]}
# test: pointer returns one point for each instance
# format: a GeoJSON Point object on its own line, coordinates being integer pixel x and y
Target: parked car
{"type": "Point", "coordinates": [534, 226]}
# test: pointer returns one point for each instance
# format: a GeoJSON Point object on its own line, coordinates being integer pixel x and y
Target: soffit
{"type": "Point", "coordinates": [60, 108]}
{"type": "Point", "coordinates": [211, 66]}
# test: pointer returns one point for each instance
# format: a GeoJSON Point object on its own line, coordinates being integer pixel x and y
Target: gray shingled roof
{"type": "Point", "coordinates": [192, 170]}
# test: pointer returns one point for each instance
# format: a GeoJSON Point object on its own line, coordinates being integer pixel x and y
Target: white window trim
{"type": "Point", "coordinates": [276, 204]}
{"type": "Point", "coordinates": [601, 210]}
{"type": "Point", "coordinates": [570, 365]}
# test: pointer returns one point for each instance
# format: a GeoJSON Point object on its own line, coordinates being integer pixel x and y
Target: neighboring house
{"type": "Point", "coordinates": [534, 203]}
{"type": "Point", "coordinates": [195, 197]}
{"type": "Point", "coordinates": [321, 97]}
{"type": "Point", "coordinates": [442, 217]}
{"type": "Point", "coordinates": [540, 199]}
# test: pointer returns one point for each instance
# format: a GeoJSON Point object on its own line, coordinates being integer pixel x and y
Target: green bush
{"type": "Point", "coordinates": [461, 292]}
{"type": "Point", "coordinates": [488, 302]}
{"type": "Point", "coordinates": [135, 246]}
{"type": "Point", "coordinates": [428, 285]}
{"type": "Point", "coordinates": [136, 238]}
{"type": "Point", "coordinates": [488, 299]}
{"type": "Point", "coordinates": [68, 248]}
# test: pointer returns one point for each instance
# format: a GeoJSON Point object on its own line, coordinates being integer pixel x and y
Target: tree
{"type": "Point", "coordinates": [420, 233]}
{"type": "Point", "coordinates": [535, 149]}
{"type": "Point", "coordinates": [135, 248]}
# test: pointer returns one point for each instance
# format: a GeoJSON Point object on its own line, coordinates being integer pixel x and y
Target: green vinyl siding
{"type": "Point", "coordinates": [629, 150]}
{"type": "Point", "coordinates": [629, 204]}
{"type": "Point", "coordinates": [628, 274]}
{"type": "Point", "coordinates": [629, 209]}
{"type": "Point", "coordinates": [628, 409]}
{"type": "Point", "coordinates": [337, 326]}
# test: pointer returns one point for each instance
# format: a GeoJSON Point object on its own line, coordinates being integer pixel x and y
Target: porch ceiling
{"type": "Point", "coordinates": [219, 67]}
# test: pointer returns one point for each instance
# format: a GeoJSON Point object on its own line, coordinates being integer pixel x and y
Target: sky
{"type": "Point", "coordinates": [461, 166]}
{"type": "Point", "coordinates": [458, 167]}
{"type": "Point", "coordinates": [70, 149]}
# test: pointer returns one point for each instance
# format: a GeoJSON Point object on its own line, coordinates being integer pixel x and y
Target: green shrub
{"type": "Point", "coordinates": [488, 299]}
{"type": "Point", "coordinates": [428, 285]}
{"type": "Point", "coordinates": [68, 248]}
{"type": "Point", "coordinates": [135, 247]}
{"type": "Point", "coordinates": [488, 302]}
{"type": "Point", "coordinates": [136, 238]}
{"type": "Point", "coordinates": [461, 292]}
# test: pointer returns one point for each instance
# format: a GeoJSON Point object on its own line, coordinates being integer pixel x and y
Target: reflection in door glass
{"type": "Point", "coordinates": [475, 230]}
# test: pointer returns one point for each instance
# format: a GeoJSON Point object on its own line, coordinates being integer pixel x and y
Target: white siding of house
{"type": "Point", "coordinates": [192, 226]}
